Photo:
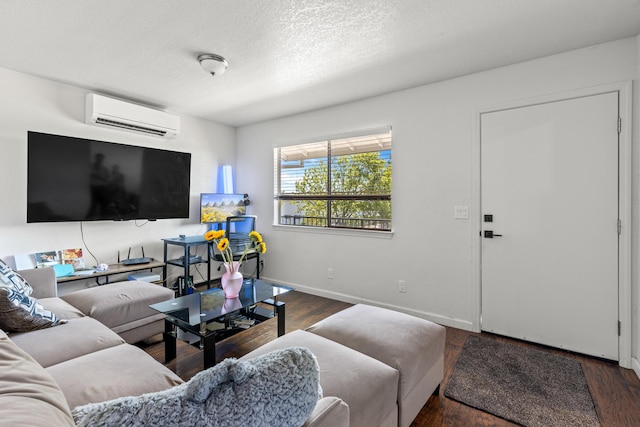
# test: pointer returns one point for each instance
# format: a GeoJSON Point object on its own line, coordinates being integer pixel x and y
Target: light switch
{"type": "Point", "coordinates": [461, 212]}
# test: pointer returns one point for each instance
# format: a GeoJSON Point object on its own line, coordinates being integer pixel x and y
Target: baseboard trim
{"type": "Point", "coordinates": [635, 365]}
{"type": "Point", "coordinates": [435, 318]}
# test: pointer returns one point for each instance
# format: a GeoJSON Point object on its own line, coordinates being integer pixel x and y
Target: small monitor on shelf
{"type": "Point", "coordinates": [237, 229]}
{"type": "Point", "coordinates": [216, 207]}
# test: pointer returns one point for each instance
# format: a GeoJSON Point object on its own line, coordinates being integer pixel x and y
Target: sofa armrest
{"type": "Point", "coordinates": [329, 412]}
{"type": "Point", "coordinates": [42, 280]}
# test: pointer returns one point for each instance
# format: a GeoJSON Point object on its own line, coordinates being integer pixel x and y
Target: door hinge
{"type": "Point", "coordinates": [619, 328]}
{"type": "Point", "coordinates": [619, 125]}
{"type": "Point", "coordinates": [619, 227]}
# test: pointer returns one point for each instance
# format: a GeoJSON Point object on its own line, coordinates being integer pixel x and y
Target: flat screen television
{"type": "Point", "coordinates": [216, 207]}
{"type": "Point", "coordinates": [76, 179]}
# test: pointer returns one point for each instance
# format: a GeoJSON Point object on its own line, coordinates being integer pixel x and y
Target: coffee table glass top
{"type": "Point", "coordinates": [211, 304]}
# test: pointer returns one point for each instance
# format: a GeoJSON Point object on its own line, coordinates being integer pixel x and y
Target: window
{"type": "Point", "coordinates": [337, 183]}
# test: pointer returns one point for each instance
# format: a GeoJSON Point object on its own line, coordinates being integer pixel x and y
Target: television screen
{"type": "Point", "coordinates": [216, 207]}
{"type": "Point", "coordinates": [75, 179]}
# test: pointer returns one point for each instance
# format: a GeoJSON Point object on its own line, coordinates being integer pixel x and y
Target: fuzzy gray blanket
{"type": "Point", "coordinates": [280, 389]}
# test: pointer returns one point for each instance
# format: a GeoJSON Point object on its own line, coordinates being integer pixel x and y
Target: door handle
{"type": "Point", "coordinates": [489, 234]}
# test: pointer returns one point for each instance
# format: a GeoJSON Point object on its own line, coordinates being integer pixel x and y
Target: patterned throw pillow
{"type": "Point", "coordinates": [19, 312]}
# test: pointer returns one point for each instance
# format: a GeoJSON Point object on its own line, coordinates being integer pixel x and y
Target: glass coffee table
{"type": "Point", "coordinates": [211, 317]}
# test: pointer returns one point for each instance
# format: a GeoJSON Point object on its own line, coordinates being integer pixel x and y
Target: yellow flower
{"type": "Point", "coordinates": [217, 236]}
{"type": "Point", "coordinates": [255, 237]}
{"type": "Point", "coordinates": [213, 234]}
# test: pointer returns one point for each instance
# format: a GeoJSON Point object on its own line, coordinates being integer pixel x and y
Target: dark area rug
{"type": "Point", "coordinates": [528, 387]}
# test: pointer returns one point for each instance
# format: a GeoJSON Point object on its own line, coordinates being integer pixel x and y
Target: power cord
{"type": "Point", "coordinates": [85, 244]}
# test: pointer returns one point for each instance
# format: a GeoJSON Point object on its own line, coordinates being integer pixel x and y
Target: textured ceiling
{"type": "Point", "coordinates": [289, 56]}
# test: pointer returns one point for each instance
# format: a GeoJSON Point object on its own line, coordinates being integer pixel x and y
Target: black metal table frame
{"type": "Point", "coordinates": [208, 338]}
{"type": "Point", "coordinates": [187, 243]}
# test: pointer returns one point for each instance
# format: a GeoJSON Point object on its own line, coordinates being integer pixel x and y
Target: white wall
{"type": "Point", "coordinates": [29, 103]}
{"type": "Point", "coordinates": [433, 129]}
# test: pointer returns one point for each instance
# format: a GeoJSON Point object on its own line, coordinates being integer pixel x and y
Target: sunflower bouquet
{"type": "Point", "coordinates": [222, 243]}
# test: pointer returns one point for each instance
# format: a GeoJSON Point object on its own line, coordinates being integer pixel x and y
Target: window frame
{"type": "Point", "coordinates": [328, 219]}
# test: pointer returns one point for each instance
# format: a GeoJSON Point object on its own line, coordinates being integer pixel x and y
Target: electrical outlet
{"type": "Point", "coordinates": [402, 286]}
{"type": "Point", "coordinates": [330, 273]}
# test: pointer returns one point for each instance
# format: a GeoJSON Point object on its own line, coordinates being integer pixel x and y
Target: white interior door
{"type": "Point", "coordinates": [549, 178]}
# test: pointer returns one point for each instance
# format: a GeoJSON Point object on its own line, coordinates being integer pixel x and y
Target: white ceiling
{"type": "Point", "coordinates": [289, 56]}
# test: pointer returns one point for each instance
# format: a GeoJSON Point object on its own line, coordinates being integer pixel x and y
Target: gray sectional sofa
{"type": "Point", "coordinates": [46, 372]}
{"type": "Point", "coordinates": [377, 367]}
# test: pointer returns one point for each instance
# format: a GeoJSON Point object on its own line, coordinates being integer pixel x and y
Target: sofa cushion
{"type": "Point", "coordinates": [367, 385]}
{"type": "Point", "coordinates": [276, 389]}
{"type": "Point", "coordinates": [18, 310]}
{"type": "Point", "coordinates": [119, 303]}
{"type": "Point", "coordinates": [123, 370]}
{"type": "Point", "coordinates": [28, 394]}
{"type": "Point", "coordinates": [77, 338]}
{"type": "Point", "coordinates": [61, 308]}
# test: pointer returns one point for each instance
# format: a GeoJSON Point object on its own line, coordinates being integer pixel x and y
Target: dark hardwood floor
{"type": "Point", "coordinates": [615, 391]}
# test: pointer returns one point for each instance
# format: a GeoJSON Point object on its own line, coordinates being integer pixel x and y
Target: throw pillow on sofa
{"type": "Point", "coordinates": [19, 312]}
{"type": "Point", "coordinates": [280, 388]}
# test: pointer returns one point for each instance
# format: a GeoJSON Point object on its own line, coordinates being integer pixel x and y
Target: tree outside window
{"type": "Point", "coordinates": [338, 183]}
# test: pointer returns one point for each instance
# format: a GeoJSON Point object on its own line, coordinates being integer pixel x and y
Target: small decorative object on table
{"type": "Point", "coordinates": [232, 278]}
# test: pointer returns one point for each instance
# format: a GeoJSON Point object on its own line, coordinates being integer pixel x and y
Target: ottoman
{"type": "Point", "coordinates": [413, 346]}
{"type": "Point", "coordinates": [368, 386]}
{"type": "Point", "coordinates": [124, 307]}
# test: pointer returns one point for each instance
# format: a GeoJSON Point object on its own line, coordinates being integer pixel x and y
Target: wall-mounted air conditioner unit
{"type": "Point", "coordinates": [104, 111]}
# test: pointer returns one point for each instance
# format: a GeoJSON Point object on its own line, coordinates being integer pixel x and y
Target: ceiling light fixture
{"type": "Point", "coordinates": [213, 64]}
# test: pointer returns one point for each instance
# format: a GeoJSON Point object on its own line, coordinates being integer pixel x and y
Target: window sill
{"type": "Point", "coordinates": [334, 231]}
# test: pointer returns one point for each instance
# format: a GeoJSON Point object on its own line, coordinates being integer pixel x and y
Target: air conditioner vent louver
{"type": "Point", "coordinates": [135, 128]}
{"type": "Point", "coordinates": [103, 111]}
